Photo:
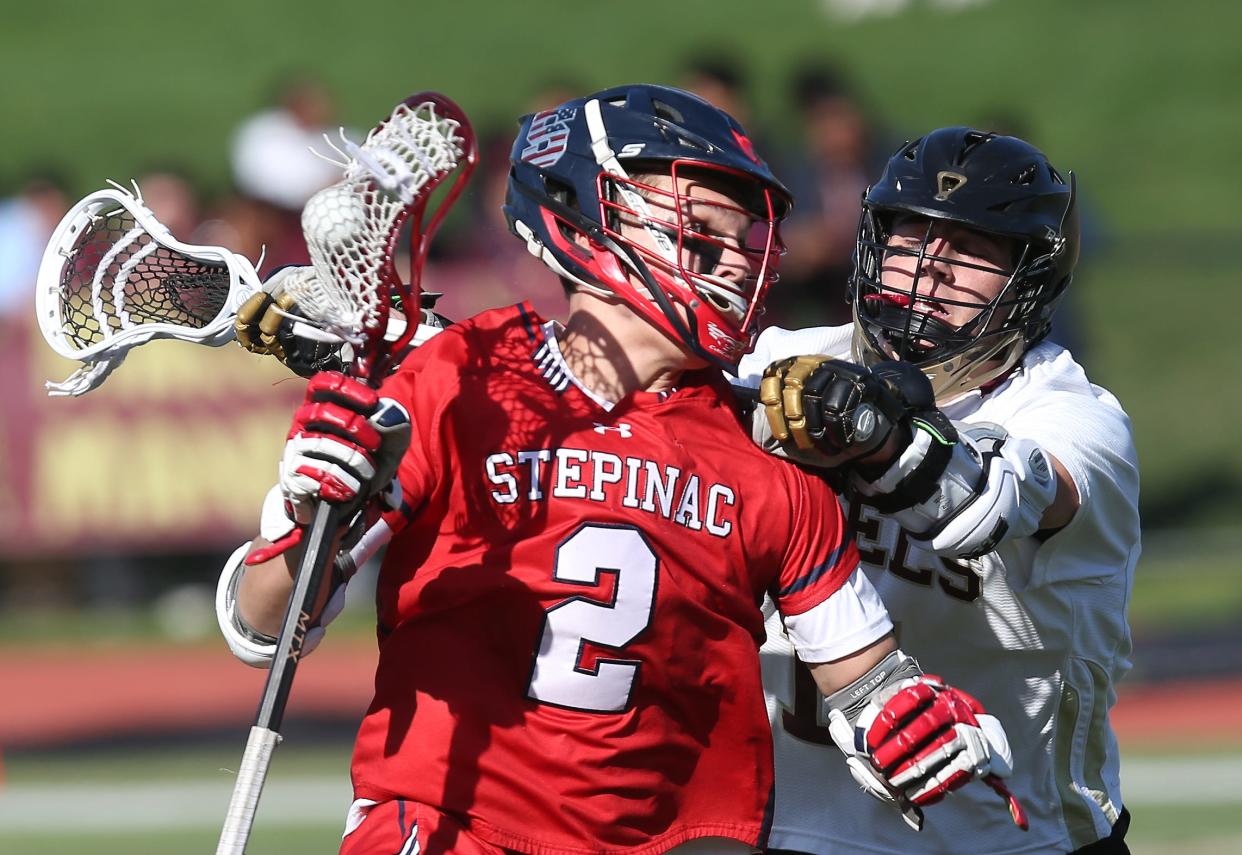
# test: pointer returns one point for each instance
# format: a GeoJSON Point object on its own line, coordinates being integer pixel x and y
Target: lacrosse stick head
{"type": "Point", "coordinates": [113, 277]}
{"type": "Point", "coordinates": [352, 227]}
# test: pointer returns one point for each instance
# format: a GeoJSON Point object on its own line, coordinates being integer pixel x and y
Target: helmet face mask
{"type": "Point", "coordinates": [897, 320]}
{"type": "Point", "coordinates": [706, 252]}
{"type": "Point", "coordinates": [653, 198]}
{"type": "Point", "coordinates": [956, 180]}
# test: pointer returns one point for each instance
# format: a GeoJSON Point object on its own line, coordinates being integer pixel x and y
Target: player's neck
{"type": "Point", "coordinates": [614, 352]}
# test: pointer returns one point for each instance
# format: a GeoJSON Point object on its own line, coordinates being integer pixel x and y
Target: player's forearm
{"type": "Point", "coordinates": [263, 591]}
{"type": "Point", "coordinates": [833, 676]}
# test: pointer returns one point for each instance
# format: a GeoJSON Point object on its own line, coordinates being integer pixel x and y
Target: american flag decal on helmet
{"type": "Point", "coordinates": [547, 137]}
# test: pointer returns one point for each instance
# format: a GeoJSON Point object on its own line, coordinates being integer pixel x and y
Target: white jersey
{"type": "Point", "coordinates": [1036, 630]}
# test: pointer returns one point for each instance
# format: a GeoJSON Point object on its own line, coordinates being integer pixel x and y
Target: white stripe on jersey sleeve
{"type": "Point", "coordinates": [849, 620]}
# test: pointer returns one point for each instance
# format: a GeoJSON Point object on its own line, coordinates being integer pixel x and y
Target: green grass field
{"type": "Point", "coordinates": [1188, 581]}
{"type": "Point", "coordinates": [1136, 94]}
{"type": "Point", "coordinates": [169, 802]}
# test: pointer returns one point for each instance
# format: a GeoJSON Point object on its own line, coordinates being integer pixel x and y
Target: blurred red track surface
{"type": "Point", "coordinates": [51, 698]}
{"type": "Point", "coordinates": [1180, 714]}
{"type": "Point", "coordinates": [55, 697]}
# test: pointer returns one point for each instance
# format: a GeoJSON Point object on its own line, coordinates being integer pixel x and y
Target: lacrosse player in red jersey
{"type": "Point", "coordinates": [992, 488]}
{"type": "Point", "coordinates": [581, 530]}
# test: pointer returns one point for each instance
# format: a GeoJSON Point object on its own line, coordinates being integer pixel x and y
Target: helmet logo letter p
{"type": "Point", "coordinates": [947, 182]}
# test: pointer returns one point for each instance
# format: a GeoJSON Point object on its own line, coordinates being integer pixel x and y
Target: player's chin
{"type": "Point", "coordinates": [690, 360]}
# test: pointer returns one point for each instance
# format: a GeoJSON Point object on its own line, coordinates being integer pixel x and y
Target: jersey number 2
{"type": "Point", "coordinates": [560, 676]}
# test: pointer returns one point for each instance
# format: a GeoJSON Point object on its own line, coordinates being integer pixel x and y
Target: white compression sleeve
{"type": "Point", "coordinates": [255, 648]}
{"type": "Point", "coordinates": [249, 645]}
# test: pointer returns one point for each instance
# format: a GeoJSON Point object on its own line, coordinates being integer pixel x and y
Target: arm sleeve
{"type": "Point", "coordinates": [849, 620]}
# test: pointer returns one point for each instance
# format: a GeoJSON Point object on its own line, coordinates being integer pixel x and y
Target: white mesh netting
{"type": "Point", "coordinates": [350, 227]}
{"type": "Point", "coordinates": [121, 277]}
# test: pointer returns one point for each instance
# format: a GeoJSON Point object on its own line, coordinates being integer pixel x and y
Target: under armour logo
{"type": "Point", "coordinates": [622, 428]}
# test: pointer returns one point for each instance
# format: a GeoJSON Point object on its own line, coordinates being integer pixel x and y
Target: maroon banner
{"type": "Point", "coordinates": [174, 451]}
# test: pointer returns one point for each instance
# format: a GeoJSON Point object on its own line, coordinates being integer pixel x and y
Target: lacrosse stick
{"type": "Point", "coordinates": [352, 229]}
{"type": "Point", "coordinates": [113, 278]}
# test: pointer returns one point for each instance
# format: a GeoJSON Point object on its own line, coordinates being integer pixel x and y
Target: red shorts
{"type": "Point", "coordinates": [402, 827]}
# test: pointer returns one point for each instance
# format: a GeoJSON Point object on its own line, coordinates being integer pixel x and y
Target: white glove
{"type": "Point", "coordinates": [344, 447]}
{"type": "Point", "coordinates": [994, 487]}
{"type": "Point", "coordinates": [858, 761]}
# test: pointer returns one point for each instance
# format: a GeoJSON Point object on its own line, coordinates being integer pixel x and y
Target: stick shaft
{"type": "Point", "coordinates": [246, 791]}
{"type": "Point", "coordinates": [317, 557]}
{"type": "Point", "coordinates": [264, 735]}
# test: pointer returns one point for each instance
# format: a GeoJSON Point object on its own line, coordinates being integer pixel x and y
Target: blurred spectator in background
{"type": "Point", "coordinates": [720, 79]}
{"type": "Point", "coordinates": [827, 179]}
{"type": "Point", "coordinates": [271, 155]}
{"type": "Point", "coordinates": [275, 171]}
{"type": "Point", "coordinates": [27, 220]}
{"type": "Point", "coordinates": [172, 196]}
{"type": "Point", "coordinates": [482, 267]}
{"type": "Point", "coordinates": [552, 91]}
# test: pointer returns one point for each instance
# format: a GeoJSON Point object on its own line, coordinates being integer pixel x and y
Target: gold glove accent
{"type": "Point", "coordinates": [780, 392]}
{"type": "Point", "coordinates": [246, 324]}
{"type": "Point", "coordinates": [269, 325]}
{"type": "Point", "coordinates": [258, 323]}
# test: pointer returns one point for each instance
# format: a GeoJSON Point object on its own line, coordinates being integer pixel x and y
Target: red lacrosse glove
{"type": "Point", "coordinates": [930, 739]}
{"type": "Point", "coordinates": [344, 447]}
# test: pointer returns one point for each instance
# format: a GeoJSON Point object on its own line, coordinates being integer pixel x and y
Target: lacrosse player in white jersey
{"type": "Point", "coordinates": [993, 490]}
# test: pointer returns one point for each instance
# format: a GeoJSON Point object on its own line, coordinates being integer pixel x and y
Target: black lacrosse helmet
{"type": "Point", "coordinates": [572, 173]}
{"type": "Point", "coordinates": [995, 184]}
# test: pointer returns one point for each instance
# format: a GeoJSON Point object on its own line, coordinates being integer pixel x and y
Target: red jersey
{"type": "Point", "coordinates": [569, 614]}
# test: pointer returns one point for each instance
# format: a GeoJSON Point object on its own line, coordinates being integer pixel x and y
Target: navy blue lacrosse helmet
{"type": "Point", "coordinates": [997, 185]}
{"type": "Point", "coordinates": [583, 184]}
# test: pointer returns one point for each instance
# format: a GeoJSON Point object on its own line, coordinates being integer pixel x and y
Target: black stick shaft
{"type": "Point", "coordinates": [317, 557]}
